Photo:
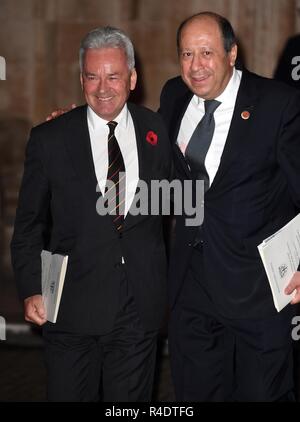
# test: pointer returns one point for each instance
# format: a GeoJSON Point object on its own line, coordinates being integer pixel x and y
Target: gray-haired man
{"type": "Point", "coordinates": [113, 300]}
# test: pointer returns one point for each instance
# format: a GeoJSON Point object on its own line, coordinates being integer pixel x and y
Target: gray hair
{"type": "Point", "coordinates": [107, 37]}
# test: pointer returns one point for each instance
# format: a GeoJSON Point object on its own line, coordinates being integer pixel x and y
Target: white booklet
{"type": "Point", "coordinates": [280, 254]}
{"type": "Point", "coordinates": [54, 267]}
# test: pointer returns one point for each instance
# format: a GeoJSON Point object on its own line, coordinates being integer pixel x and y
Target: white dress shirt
{"type": "Point", "coordinates": [126, 138]}
{"type": "Point", "coordinates": [222, 115]}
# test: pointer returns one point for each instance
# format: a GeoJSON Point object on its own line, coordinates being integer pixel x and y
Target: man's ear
{"type": "Point", "coordinates": [81, 81]}
{"type": "Point", "coordinates": [133, 79]}
{"type": "Point", "coordinates": [233, 55]}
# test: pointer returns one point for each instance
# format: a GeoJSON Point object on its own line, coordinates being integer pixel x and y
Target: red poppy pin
{"type": "Point", "coordinates": [151, 138]}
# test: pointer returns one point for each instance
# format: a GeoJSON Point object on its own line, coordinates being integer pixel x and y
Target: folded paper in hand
{"type": "Point", "coordinates": [280, 254]}
{"type": "Point", "coordinates": [54, 267]}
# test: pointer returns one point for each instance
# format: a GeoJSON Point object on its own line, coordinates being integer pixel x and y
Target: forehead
{"type": "Point", "coordinates": [105, 55]}
{"type": "Point", "coordinates": [203, 28]}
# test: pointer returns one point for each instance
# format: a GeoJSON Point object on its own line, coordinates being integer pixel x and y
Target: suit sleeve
{"type": "Point", "coordinates": [32, 221]}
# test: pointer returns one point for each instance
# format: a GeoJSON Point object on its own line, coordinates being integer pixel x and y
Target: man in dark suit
{"type": "Point", "coordinates": [227, 342]}
{"type": "Point", "coordinates": [114, 294]}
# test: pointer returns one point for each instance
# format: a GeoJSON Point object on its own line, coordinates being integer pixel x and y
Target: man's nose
{"type": "Point", "coordinates": [197, 62]}
{"type": "Point", "coordinates": [102, 85]}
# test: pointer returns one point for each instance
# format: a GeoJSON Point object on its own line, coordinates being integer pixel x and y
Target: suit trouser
{"type": "Point", "coordinates": [219, 359]}
{"type": "Point", "coordinates": [117, 366]}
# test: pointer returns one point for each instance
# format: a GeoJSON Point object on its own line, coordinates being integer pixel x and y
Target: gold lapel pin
{"type": "Point", "coordinates": [245, 115]}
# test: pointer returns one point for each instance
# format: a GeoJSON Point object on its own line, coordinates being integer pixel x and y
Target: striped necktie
{"type": "Point", "coordinates": [116, 179]}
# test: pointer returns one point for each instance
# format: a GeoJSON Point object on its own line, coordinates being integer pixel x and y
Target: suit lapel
{"type": "Point", "coordinates": [141, 143]}
{"type": "Point", "coordinates": [239, 131]}
{"type": "Point", "coordinates": [79, 146]}
{"type": "Point", "coordinates": [145, 164]}
{"type": "Point", "coordinates": [179, 109]}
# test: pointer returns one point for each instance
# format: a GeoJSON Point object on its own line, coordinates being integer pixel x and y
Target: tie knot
{"type": "Point", "coordinates": [211, 106]}
{"type": "Point", "coordinates": [112, 125]}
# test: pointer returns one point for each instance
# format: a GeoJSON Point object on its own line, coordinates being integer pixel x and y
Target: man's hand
{"type": "Point", "coordinates": [294, 284]}
{"type": "Point", "coordinates": [35, 310]}
{"type": "Point", "coordinates": [59, 112]}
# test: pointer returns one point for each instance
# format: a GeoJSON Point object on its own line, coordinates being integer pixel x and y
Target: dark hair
{"type": "Point", "coordinates": [229, 38]}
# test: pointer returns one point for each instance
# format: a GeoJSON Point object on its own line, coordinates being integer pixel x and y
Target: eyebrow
{"type": "Point", "coordinates": [95, 74]}
{"type": "Point", "coordinates": [89, 73]}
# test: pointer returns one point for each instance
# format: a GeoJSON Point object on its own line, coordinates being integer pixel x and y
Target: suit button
{"type": "Point", "coordinates": [118, 265]}
{"type": "Point", "coordinates": [120, 235]}
{"type": "Point", "coordinates": [190, 245]}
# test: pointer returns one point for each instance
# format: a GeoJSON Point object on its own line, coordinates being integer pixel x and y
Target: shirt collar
{"type": "Point", "coordinates": [97, 122]}
{"type": "Point", "coordinates": [229, 94]}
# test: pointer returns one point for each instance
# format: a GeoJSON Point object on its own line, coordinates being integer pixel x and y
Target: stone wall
{"type": "Point", "coordinates": [39, 40]}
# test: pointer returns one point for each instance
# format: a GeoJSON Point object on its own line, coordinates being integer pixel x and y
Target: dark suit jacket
{"type": "Point", "coordinates": [255, 192]}
{"type": "Point", "coordinates": [57, 211]}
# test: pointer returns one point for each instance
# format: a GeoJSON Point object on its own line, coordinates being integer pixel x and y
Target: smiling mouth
{"type": "Point", "coordinates": [200, 78]}
{"type": "Point", "coordinates": [104, 100]}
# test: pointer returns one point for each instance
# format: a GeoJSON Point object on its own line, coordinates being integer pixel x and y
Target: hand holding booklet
{"type": "Point", "coordinates": [54, 267]}
{"type": "Point", "coordinates": [280, 254]}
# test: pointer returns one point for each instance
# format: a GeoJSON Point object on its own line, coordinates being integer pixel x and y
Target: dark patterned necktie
{"type": "Point", "coordinates": [115, 189]}
{"type": "Point", "coordinates": [200, 141]}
